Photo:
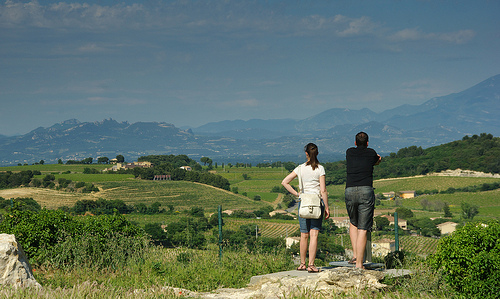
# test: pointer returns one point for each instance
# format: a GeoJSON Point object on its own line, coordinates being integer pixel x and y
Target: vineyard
{"type": "Point", "coordinates": [415, 244]}
{"type": "Point", "coordinates": [418, 244]}
{"type": "Point", "coordinates": [266, 228]}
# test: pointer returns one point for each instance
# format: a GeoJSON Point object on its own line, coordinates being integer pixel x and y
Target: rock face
{"type": "Point", "coordinates": [14, 267]}
{"type": "Point", "coordinates": [466, 173]}
{"type": "Point", "coordinates": [325, 284]}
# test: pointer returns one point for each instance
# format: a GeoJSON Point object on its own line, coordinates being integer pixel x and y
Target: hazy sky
{"type": "Point", "coordinates": [193, 62]}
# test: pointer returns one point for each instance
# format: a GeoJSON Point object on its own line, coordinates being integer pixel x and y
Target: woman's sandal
{"type": "Point", "coordinates": [313, 269]}
{"type": "Point", "coordinates": [302, 267]}
{"type": "Point", "coordinates": [352, 261]}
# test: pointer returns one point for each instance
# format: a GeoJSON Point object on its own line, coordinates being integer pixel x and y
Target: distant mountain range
{"type": "Point", "coordinates": [437, 121]}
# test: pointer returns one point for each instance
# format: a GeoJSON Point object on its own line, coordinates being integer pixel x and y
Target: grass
{"type": "Point", "coordinates": [185, 195]}
{"type": "Point", "coordinates": [267, 227]}
{"type": "Point", "coordinates": [196, 270]}
{"type": "Point", "coordinates": [182, 195]}
{"type": "Point", "coordinates": [428, 183]}
{"type": "Point", "coordinates": [173, 273]}
{"type": "Point", "coordinates": [488, 202]}
{"type": "Point", "coordinates": [57, 168]}
{"type": "Point", "coordinates": [94, 178]}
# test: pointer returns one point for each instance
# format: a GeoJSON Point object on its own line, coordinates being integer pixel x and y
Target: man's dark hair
{"type": "Point", "coordinates": [361, 139]}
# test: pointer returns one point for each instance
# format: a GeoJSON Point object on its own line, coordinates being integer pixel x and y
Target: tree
{"type": "Point", "coordinates": [158, 235]}
{"type": "Point", "coordinates": [404, 213]}
{"type": "Point", "coordinates": [120, 159]}
{"type": "Point", "coordinates": [469, 211]}
{"type": "Point", "coordinates": [41, 162]}
{"type": "Point", "coordinates": [447, 212]}
{"type": "Point", "coordinates": [289, 166]}
{"type": "Point", "coordinates": [470, 260]}
{"type": "Point", "coordinates": [103, 160]}
{"type": "Point", "coordinates": [205, 160]}
{"type": "Point", "coordinates": [59, 161]}
{"type": "Point", "coordinates": [87, 160]}
{"type": "Point", "coordinates": [381, 223]}
{"type": "Point", "coordinates": [427, 227]}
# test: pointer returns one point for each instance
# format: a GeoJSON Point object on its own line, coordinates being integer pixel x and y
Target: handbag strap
{"type": "Point", "coordinates": [301, 187]}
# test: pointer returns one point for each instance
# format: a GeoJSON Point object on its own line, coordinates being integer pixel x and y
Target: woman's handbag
{"type": "Point", "coordinates": [310, 204]}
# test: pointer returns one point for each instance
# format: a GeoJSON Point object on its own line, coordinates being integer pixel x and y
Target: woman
{"type": "Point", "coordinates": [312, 175]}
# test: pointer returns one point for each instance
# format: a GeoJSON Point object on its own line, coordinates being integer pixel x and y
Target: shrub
{"type": "Point", "coordinates": [60, 240]}
{"type": "Point", "coordinates": [394, 259]}
{"type": "Point", "coordinates": [470, 259]}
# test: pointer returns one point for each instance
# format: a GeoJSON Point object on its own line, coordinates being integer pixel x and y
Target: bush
{"type": "Point", "coordinates": [470, 259]}
{"type": "Point", "coordinates": [57, 239]}
{"type": "Point", "coordinates": [394, 259]}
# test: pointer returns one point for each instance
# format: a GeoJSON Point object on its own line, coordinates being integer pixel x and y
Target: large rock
{"type": "Point", "coordinates": [15, 269]}
{"type": "Point", "coordinates": [326, 284]}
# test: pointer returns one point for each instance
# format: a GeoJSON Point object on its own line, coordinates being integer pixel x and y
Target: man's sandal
{"type": "Point", "coordinates": [313, 269]}
{"type": "Point", "coordinates": [302, 267]}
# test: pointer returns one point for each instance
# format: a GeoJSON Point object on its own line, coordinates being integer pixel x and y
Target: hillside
{"type": "Point", "coordinates": [477, 153]}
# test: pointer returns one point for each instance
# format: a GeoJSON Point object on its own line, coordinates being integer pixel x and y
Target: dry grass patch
{"type": "Point", "coordinates": [48, 198]}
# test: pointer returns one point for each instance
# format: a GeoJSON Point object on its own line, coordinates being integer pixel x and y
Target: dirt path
{"type": "Point", "coordinates": [278, 200]}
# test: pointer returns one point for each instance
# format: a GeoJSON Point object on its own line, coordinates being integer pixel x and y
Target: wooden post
{"type": "Point", "coordinates": [396, 233]}
{"type": "Point", "coordinates": [368, 248]}
{"type": "Point", "coordinates": [219, 210]}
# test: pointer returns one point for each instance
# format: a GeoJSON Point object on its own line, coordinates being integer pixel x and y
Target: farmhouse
{"type": "Point", "coordinates": [291, 240]}
{"type": "Point", "coordinates": [407, 194]}
{"type": "Point", "coordinates": [383, 246]}
{"type": "Point", "coordinates": [447, 227]}
{"type": "Point", "coordinates": [389, 195]}
{"type": "Point", "coordinates": [341, 221]}
{"type": "Point", "coordinates": [401, 222]}
{"type": "Point", "coordinates": [119, 166]}
{"type": "Point", "coordinates": [282, 212]}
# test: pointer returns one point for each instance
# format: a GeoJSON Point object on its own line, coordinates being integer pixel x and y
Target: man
{"type": "Point", "coordinates": [359, 195]}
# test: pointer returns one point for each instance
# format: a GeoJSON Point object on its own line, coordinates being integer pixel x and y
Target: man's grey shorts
{"type": "Point", "coordinates": [360, 204]}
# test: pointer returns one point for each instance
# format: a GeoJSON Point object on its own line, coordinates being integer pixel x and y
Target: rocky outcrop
{"type": "Point", "coordinates": [325, 284]}
{"type": "Point", "coordinates": [465, 173]}
{"type": "Point", "coordinates": [15, 269]}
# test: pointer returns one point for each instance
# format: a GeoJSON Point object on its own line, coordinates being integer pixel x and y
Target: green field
{"type": "Point", "coordinates": [183, 195]}
{"type": "Point", "coordinates": [58, 168]}
{"type": "Point", "coordinates": [93, 178]}
{"type": "Point", "coordinates": [260, 181]}
{"type": "Point", "coordinates": [428, 183]}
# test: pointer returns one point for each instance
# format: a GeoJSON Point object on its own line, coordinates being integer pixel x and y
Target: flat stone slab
{"type": "Point", "coordinates": [296, 273]}
{"type": "Point", "coordinates": [292, 273]}
{"type": "Point", "coordinates": [397, 272]}
{"type": "Point", "coordinates": [369, 266]}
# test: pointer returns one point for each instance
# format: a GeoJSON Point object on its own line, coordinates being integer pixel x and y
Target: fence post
{"type": "Point", "coordinates": [396, 235]}
{"type": "Point", "coordinates": [368, 248]}
{"type": "Point", "coordinates": [219, 211]}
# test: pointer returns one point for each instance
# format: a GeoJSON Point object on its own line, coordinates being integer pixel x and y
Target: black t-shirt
{"type": "Point", "coordinates": [359, 162]}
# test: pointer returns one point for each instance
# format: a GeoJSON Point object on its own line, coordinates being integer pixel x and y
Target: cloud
{"type": "Point", "coordinates": [91, 48]}
{"type": "Point", "coordinates": [268, 83]}
{"type": "Point", "coordinates": [190, 19]}
{"type": "Point", "coordinates": [414, 34]}
{"type": "Point", "coordinates": [70, 15]}
{"type": "Point", "coordinates": [243, 103]}
{"type": "Point", "coordinates": [353, 26]}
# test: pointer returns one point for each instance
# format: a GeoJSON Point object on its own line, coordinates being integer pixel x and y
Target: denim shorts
{"type": "Point", "coordinates": [307, 224]}
{"type": "Point", "coordinates": [360, 204]}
